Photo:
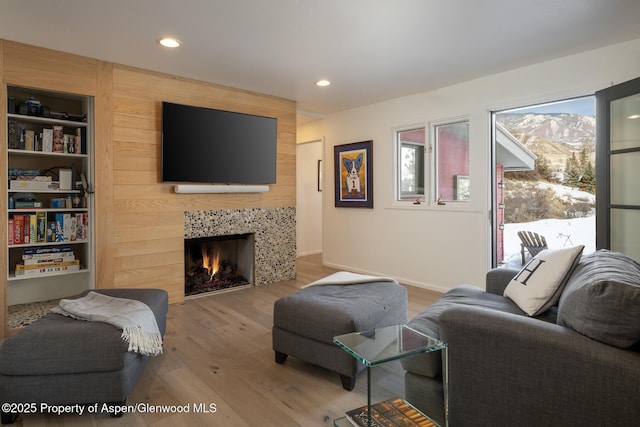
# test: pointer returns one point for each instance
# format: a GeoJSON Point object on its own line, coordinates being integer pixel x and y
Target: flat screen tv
{"type": "Point", "coordinates": [204, 145]}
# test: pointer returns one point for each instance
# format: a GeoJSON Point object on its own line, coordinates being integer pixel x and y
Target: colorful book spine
{"type": "Point", "coordinates": [18, 227]}
{"type": "Point", "coordinates": [25, 267]}
{"type": "Point", "coordinates": [47, 140]}
{"type": "Point", "coordinates": [41, 234]}
{"type": "Point", "coordinates": [46, 271]}
{"type": "Point", "coordinates": [43, 261]}
{"type": "Point", "coordinates": [38, 252]}
{"type": "Point", "coordinates": [51, 231]}
{"type": "Point", "coordinates": [29, 140]}
{"type": "Point", "coordinates": [10, 231]}
{"type": "Point", "coordinates": [66, 227]}
{"type": "Point", "coordinates": [58, 139]}
{"type": "Point", "coordinates": [26, 233]}
{"type": "Point", "coordinates": [59, 235]}
{"type": "Point", "coordinates": [33, 228]}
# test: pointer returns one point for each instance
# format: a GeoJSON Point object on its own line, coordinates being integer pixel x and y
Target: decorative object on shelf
{"type": "Point", "coordinates": [353, 164]}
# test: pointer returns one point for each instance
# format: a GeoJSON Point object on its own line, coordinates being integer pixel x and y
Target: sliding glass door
{"type": "Point", "coordinates": [618, 168]}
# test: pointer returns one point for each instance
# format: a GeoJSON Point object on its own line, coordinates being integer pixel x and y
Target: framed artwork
{"type": "Point", "coordinates": [353, 165]}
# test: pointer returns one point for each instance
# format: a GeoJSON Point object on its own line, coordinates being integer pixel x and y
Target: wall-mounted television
{"type": "Point", "coordinates": [204, 145]}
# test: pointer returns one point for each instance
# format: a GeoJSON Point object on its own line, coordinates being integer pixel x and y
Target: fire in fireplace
{"type": "Point", "coordinates": [218, 263]}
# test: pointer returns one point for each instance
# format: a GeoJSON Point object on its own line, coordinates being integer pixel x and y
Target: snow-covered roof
{"type": "Point", "coordinates": [510, 152]}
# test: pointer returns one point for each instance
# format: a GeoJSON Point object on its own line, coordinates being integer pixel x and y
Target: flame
{"type": "Point", "coordinates": [210, 261]}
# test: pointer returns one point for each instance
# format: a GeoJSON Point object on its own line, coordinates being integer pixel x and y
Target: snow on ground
{"type": "Point", "coordinates": [571, 193]}
{"type": "Point", "coordinates": [558, 232]}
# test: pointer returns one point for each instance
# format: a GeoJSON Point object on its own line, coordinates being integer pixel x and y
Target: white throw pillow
{"type": "Point", "coordinates": [537, 287]}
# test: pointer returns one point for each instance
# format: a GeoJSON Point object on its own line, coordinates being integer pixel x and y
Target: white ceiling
{"type": "Point", "coordinates": [372, 50]}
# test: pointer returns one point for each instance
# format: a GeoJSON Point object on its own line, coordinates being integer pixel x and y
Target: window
{"type": "Point", "coordinates": [411, 164]}
{"type": "Point", "coordinates": [450, 144]}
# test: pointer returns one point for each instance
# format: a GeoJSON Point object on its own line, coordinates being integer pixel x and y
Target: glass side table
{"type": "Point", "coordinates": [385, 345]}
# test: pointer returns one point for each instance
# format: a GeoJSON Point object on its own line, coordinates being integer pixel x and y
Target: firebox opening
{"type": "Point", "coordinates": [218, 263]}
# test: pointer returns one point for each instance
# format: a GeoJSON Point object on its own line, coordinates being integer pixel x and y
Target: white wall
{"type": "Point", "coordinates": [309, 199]}
{"type": "Point", "coordinates": [440, 247]}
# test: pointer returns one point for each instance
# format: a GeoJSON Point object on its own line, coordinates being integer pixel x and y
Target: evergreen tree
{"type": "Point", "coordinates": [572, 171]}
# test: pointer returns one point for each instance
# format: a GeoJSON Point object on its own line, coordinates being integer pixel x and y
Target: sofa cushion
{"type": "Point", "coordinates": [538, 286]}
{"type": "Point", "coordinates": [602, 299]}
{"type": "Point", "coordinates": [324, 311]}
{"type": "Point", "coordinates": [427, 322]}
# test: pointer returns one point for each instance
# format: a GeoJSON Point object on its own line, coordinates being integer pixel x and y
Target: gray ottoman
{"type": "Point", "coordinates": [305, 322]}
{"type": "Point", "coordinates": [59, 360]}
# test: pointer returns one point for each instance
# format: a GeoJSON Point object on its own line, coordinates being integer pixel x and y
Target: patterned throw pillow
{"type": "Point", "coordinates": [537, 287]}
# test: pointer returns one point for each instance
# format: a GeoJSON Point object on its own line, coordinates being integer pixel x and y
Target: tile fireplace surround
{"type": "Point", "coordinates": [274, 230]}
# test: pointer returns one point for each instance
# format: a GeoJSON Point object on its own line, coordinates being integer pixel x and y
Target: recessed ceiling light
{"type": "Point", "coordinates": [169, 42]}
{"type": "Point", "coordinates": [323, 83]}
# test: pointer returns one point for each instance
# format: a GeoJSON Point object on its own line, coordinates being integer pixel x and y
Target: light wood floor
{"type": "Point", "coordinates": [217, 351]}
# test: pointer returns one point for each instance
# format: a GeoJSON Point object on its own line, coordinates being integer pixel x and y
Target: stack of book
{"type": "Point", "coordinates": [390, 413]}
{"type": "Point", "coordinates": [45, 261]}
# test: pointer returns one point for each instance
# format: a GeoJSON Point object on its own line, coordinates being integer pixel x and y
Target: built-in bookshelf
{"type": "Point", "coordinates": [49, 205]}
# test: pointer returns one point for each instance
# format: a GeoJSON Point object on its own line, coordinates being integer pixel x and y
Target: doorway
{"type": "Point", "coordinates": [545, 179]}
{"type": "Point", "coordinates": [309, 176]}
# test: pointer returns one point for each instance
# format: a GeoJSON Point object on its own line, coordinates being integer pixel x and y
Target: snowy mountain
{"type": "Point", "coordinates": [572, 129]}
{"type": "Point", "coordinates": [554, 136]}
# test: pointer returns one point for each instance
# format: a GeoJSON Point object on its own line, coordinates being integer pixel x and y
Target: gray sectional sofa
{"type": "Point", "coordinates": [575, 364]}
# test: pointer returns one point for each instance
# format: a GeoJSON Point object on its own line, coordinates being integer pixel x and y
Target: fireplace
{"type": "Point", "coordinates": [218, 263]}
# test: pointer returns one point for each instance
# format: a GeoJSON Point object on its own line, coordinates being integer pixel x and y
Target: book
{"type": "Point", "coordinates": [82, 220]}
{"type": "Point", "coordinates": [14, 138]}
{"type": "Point", "coordinates": [24, 184]}
{"type": "Point", "coordinates": [58, 139]}
{"type": "Point", "coordinates": [29, 140]}
{"type": "Point", "coordinates": [25, 205]}
{"type": "Point", "coordinates": [390, 413]}
{"type": "Point", "coordinates": [67, 257]}
{"type": "Point", "coordinates": [10, 231]}
{"type": "Point", "coordinates": [26, 233]}
{"type": "Point", "coordinates": [66, 227]}
{"type": "Point", "coordinates": [25, 267]}
{"type": "Point", "coordinates": [41, 231]}
{"type": "Point", "coordinates": [33, 228]}
{"type": "Point", "coordinates": [46, 271]}
{"type": "Point", "coordinates": [59, 231]}
{"type": "Point", "coordinates": [51, 231]}
{"type": "Point", "coordinates": [16, 172]}
{"type": "Point", "coordinates": [47, 140]}
{"type": "Point", "coordinates": [78, 140]}
{"type": "Point", "coordinates": [36, 252]}
{"type": "Point", "coordinates": [18, 229]}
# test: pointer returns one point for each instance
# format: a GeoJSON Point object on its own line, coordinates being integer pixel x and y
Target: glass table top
{"type": "Point", "coordinates": [387, 344]}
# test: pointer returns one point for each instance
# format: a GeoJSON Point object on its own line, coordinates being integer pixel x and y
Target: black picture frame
{"type": "Point", "coordinates": [353, 166]}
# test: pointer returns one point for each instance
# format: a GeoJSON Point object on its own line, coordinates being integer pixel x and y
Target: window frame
{"type": "Point", "coordinates": [421, 166]}
{"type": "Point", "coordinates": [434, 150]}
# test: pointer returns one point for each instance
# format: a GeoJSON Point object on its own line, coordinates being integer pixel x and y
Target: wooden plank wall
{"type": "Point", "coordinates": [148, 217]}
{"type": "Point", "coordinates": [139, 221]}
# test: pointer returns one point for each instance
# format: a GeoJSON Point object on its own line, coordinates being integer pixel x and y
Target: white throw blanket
{"type": "Point", "coordinates": [135, 318]}
{"type": "Point", "coordinates": [347, 278]}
